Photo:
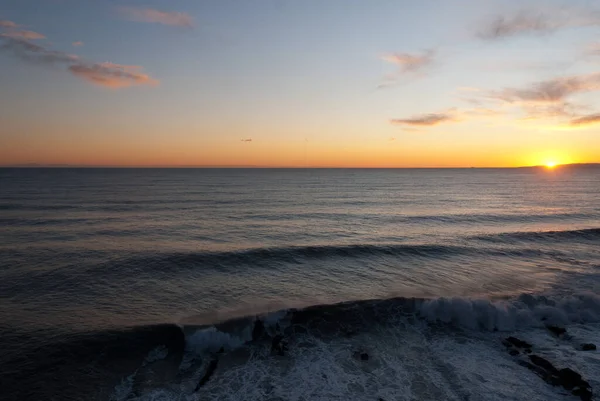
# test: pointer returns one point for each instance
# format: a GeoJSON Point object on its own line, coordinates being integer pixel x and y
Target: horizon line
{"type": "Point", "coordinates": [84, 166]}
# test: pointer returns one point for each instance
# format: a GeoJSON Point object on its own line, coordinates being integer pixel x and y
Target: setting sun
{"type": "Point", "coordinates": [551, 164]}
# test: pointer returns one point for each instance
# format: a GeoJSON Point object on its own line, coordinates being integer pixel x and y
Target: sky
{"type": "Point", "coordinates": [299, 83]}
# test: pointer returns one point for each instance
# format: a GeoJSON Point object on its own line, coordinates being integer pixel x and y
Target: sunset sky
{"type": "Point", "coordinates": [340, 83]}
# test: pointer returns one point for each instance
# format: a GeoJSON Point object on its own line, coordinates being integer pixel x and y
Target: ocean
{"type": "Point", "coordinates": [297, 284]}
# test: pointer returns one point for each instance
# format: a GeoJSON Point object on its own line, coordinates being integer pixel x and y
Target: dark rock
{"type": "Point", "coordinates": [513, 352]}
{"type": "Point", "coordinates": [360, 355]}
{"type": "Point", "coordinates": [588, 347]}
{"type": "Point", "coordinates": [572, 380]}
{"type": "Point", "coordinates": [528, 351]}
{"type": "Point", "coordinates": [536, 369]}
{"type": "Point", "coordinates": [221, 350]}
{"type": "Point", "coordinates": [517, 343]}
{"type": "Point", "coordinates": [212, 366]}
{"type": "Point", "coordinates": [544, 364]}
{"type": "Point", "coordinates": [556, 330]}
{"type": "Point", "coordinates": [584, 393]}
{"type": "Point", "coordinates": [278, 345]}
{"type": "Point", "coordinates": [548, 377]}
{"type": "Point", "coordinates": [569, 378]}
{"type": "Point", "coordinates": [258, 331]}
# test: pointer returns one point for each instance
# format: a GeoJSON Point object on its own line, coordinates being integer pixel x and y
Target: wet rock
{"type": "Point", "coordinates": [588, 347]}
{"type": "Point", "coordinates": [516, 342]}
{"type": "Point", "coordinates": [548, 377]}
{"type": "Point", "coordinates": [567, 378]}
{"type": "Point", "coordinates": [212, 366]}
{"type": "Point", "coordinates": [513, 352]}
{"type": "Point", "coordinates": [363, 356]}
{"type": "Point", "coordinates": [572, 380]}
{"type": "Point", "coordinates": [278, 345]}
{"type": "Point", "coordinates": [536, 369]}
{"type": "Point", "coordinates": [556, 330]}
{"type": "Point", "coordinates": [544, 364]}
{"type": "Point", "coordinates": [258, 331]}
{"type": "Point", "coordinates": [584, 393]}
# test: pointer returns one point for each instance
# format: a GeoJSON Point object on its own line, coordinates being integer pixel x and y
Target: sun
{"type": "Point", "coordinates": [551, 164]}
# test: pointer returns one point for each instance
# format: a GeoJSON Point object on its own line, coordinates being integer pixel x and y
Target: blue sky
{"type": "Point", "coordinates": [365, 83]}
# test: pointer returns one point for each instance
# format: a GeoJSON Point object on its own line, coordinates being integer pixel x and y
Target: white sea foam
{"type": "Point", "coordinates": [406, 362]}
{"type": "Point", "coordinates": [507, 315]}
{"type": "Point", "coordinates": [408, 359]}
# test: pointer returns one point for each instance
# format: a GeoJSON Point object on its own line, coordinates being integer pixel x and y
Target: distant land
{"type": "Point", "coordinates": [578, 166]}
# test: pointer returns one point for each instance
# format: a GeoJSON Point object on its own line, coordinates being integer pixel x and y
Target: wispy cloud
{"type": "Point", "coordinates": [426, 120]}
{"type": "Point", "coordinates": [407, 62]}
{"type": "Point", "coordinates": [156, 16]}
{"type": "Point", "coordinates": [112, 75]}
{"type": "Point", "coordinates": [538, 22]}
{"type": "Point", "coordinates": [589, 119]}
{"type": "Point", "coordinates": [550, 91]}
{"type": "Point", "coordinates": [408, 65]}
{"type": "Point", "coordinates": [34, 53]}
{"type": "Point", "coordinates": [103, 74]}
{"type": "Point", "coordinates": [7, 24]}
{"type": "Point", "coordinates": [552, 99]}
{"type": "Point", "coordinates": [247, 140]}
{"type": "Point", "coordinates": [77, 44]}
{"type": "Point", "coordinates": [13, 30]}
{"type": "Point", "coordinates": [23, 34]}
{"type": "Point", "coordinates": [524, 22]}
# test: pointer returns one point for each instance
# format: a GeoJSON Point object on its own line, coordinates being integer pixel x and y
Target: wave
{"type": "Point", "coordinates": [536, 236]}
{"type": "Point", "coordinates": [508, 314]}
{"type": "Point", "coordinates": [266, 256]}
{"type": "Point", "coordinates": [481, 314]}
{"type": "Point", "coordinates": [467, 218]}
{"type": "Point", "coordinates": [102, 359]}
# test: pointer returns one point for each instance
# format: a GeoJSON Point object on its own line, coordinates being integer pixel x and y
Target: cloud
{"type": "Point", "coordinates": [33, 53]}
{"type": "Point", "coordinates": [523, 22]}
{"type": "Point", "coordinates": [23, 35]}
{"type": "Point", "coordinates": [247, 140]}
{"type": "Point", "coordinates": [425, 120]}
{"type": "Point", "coordinates": [157, 16]}
{"type": "Point", "coordinates": [410, 62]}
{"type": "Point", "coordinates": [551, 91]}
{"type": "Point", "coordinates": [7, 24]}
{"type": "Point", "coordinates": [78, 43]}
{"type": "Point", "coordinates": [537, 22]}
{"type": "Point", "coordinates": [112, 75]}
{"type": "Point", "coordinates": [586, 120]}
{"type": "Point", "coordinates": [548, 99]}
{"type": "Point", "coordinates": [109, 75]}
{"type": "Point", "coordinates": [11, 30]}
